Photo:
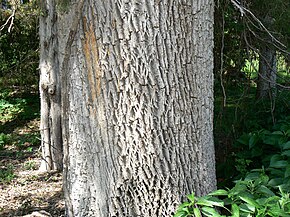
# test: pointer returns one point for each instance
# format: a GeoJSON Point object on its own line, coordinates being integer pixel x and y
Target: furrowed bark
{"type": "Point", "coordinates": [137, 94]}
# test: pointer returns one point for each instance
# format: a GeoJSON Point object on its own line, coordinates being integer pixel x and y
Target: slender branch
{"type": "Point", "coordinates": [11, 17]}
{"type": "Point", "coordinates": [222, 61]}
{"type": "Point", "coordinates": [245, 11]}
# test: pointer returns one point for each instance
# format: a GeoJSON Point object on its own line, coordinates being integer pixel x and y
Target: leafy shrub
{"type": "Point", "coordinates": [252, 197]}
{"type": "Point", "coordinates": [264, 191]}
{"type": "Point", "coordinates": [270, 150]}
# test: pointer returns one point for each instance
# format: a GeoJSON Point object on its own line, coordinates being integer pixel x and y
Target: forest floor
{"type": "Point", "coordinates": [24, 191]}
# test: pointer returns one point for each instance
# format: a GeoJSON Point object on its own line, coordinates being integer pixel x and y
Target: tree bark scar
{"type": "Point", "coordinates": [91, 53]}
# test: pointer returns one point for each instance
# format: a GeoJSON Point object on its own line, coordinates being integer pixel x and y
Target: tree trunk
{"type": "Point", "coordinates": [137, 105]}
{"type": "Point", "coordinates": [266, 84]}
{"type": "Point", "coordinates": [50, 126]}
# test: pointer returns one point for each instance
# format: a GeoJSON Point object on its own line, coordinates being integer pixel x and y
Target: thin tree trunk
{"type": "Point", "coordinates": [137, 94]}
{"type": "Point", "coordinates": [50, 126]}
{"type": "Point", "coordinates": [266, 84]}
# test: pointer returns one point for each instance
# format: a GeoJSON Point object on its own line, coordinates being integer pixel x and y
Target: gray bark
{"type": "Point", "coordinates": [266, 84]}
{"type": "Point", "coordinates": [50, 126]}
{"type": "Point", "coordinates": [137, 105]}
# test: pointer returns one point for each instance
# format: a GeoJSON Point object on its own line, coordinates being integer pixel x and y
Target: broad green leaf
{"type": "Point", "coordinates": [266, 191]}
{"type": "Point", "coordinates": [253, 140]}
{"type": "Point", "coordinates": [210, 202]}
{"type": "Point", "coordinates": [275, 172]}
{"type": "Point", "coordinates": [235, 210]}
{"type": "Point", "coordinates": [247, 208]}
{"type": "Point", "coordinates": [219, 192]}
{"type": "Point", "coordinates": [250, 201]}
{"type": "Point", "coordinates": [272, 139]}
{"type": "Point", "coordinates": [279, 164]}
{"type": "Point", "coordinates": [244, 139]}
{"type": "Point", "coordinates": [275, 182]}
{"type": "Point", "coordinates": [286, 145]}
{"type": "Point", "coordinates": [207, 211]}
{"type": "Point", "coordinates": [253, 176]}
{"type": "Point", "coordinates": [184, 205]}
{"type": "Point", "coordinates": [196, 212]}
{"type": "Point", "coordinates": [191, 197]}
{"type": "Point", "coordinates": [278, 133]}
{"type": "Point", "coordinates": [286, 153]}
{"type": "Point", "coordinates": [180, 214]}
{"type": "Point", "coordinates": [287, 172]}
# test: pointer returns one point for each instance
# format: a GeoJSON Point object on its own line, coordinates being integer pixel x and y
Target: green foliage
{"type": "Point", "coordinates": [9, 109]}
{"type": "Point", "coordinates": [18, 108]}
{"type": "Point", "coordinates": [30, 165]}
{"type": "Point", "coordinates": [6, 173]}
{"type": "Point", "coordinates": [269, 150]}
{"type": "Point", "coordinates": [3, 140]}
{"type": "Point", "coordinates": [25, 141]}
{"type": "Point", "coordinates": [19, 47]}
{"type": "Point", "coordinates": [254, 196]}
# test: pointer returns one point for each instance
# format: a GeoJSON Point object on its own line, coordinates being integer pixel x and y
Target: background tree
{"type": "Point", "coordinates": [50, 90]}
{"type": "Point", "coordinates": [267, 35]}
{"type": "Point", "coordinates": [137, 103]}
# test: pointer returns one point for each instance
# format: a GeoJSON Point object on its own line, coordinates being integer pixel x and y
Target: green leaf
{"type": "Point", "coordinates": [235, 210]}
{"type": "Point", "coordinates": [286, 153]}
{"type": "Point", "coordinates": [244, 139]}
{"type": "Point", "coordinates": [196, 212]}
{"type": "Point", "coordinates": [276, 182]}
{"type": "Point", "coordinates": [286, 145]}
{"type": "Point", "coordinates": [250, 201]}
{"type": "Point", "coordinates": [210, 202]}
{"type": "Point", "coordinates": [191, 197]}
{"type": "Point", "coordinates": [276, 172]}
{"type": "Point", "coordinates": [247, 208]}
{"type": "Point", "coordinates": [287, 172]}
{"type": "Point", "coordinates": [207, 211]}
{"type": "Point", "coordinates": [272, 139]}
{"type": "Point", "coordinates": [252, 176]}
{"type": "Point", "coordinates": [277, 211]}
{"type": "Point", "coordinates": [277, 162]}
{"type": "Point", "coordinates": [272, 200]}
{"type": "Point", "coordinates": [219, 192]}
{"type": "Point", "coordinates": [180, 214]}
{"type": "Point", "coordinates": [253, 140]}
{"type": "Point", "coordinates": [184, 205]}
{"type": "Point", "coordinates": [278, 133]}
{"type": "Point", "coordinates": [266, 191]}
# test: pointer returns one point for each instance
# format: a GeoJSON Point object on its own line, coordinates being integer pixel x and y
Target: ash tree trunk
{"type": "Point", "coordinates": [266, 84]}
{"type": "Point", "coordinates": [50, 123]}
{"type": "Point", "coordinates": [137, 104]}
